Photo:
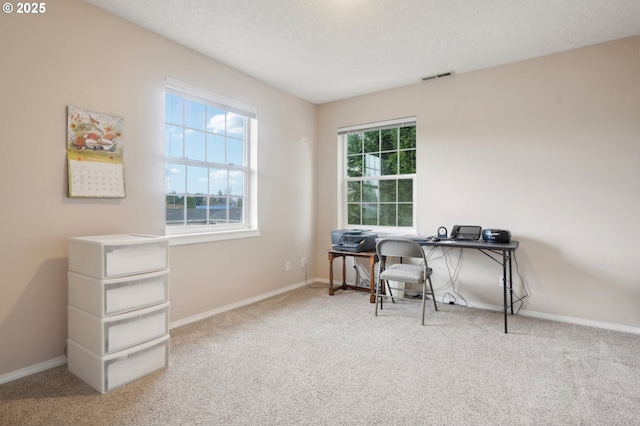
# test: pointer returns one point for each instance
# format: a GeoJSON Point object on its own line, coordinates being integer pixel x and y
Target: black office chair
{"type": "Point", "coordinates": [403, 248]}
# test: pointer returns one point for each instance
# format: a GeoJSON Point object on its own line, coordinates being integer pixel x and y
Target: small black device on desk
{"type": "Point", "coordinates": [466, 232]}
{"type": "Point", "coordinates": [353, 240]}
{"type": "Point", "coordinates": [496, 235]}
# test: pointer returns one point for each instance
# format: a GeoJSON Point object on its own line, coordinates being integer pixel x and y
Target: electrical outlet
{"type": "Point", "coordinates": [287, 266]}
{"type": "Point", "coordinates": [304, 262]}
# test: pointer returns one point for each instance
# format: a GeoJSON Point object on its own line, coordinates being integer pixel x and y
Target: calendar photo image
{"type": "Point", "coordinates": [95, 154]}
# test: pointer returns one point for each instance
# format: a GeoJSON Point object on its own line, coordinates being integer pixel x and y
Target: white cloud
{"type": "Point", "coordinates": [216, 123]}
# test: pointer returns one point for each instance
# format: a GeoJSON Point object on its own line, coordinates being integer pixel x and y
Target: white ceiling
{"type": "Point", "coordinates": [325, 50]}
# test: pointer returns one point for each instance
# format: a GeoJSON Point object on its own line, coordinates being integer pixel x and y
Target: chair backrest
{"type": "Point", "coordinates": [399, 247]}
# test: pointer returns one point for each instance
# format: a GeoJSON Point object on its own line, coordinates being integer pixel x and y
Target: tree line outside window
{"type": "Point", "coordinates": [380, 174]}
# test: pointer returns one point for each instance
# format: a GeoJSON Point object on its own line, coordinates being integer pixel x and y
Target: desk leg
{"type": "Point", "coordinates": [330, 274]}
{"type": "Point", "coordinates": [511, 283]}
{"type": "Point", "coordinates": [504, 287]}
{"type": "Point", "coordinates": [372, 279]}
{"type": "Point", "coordinates": [344, 272]}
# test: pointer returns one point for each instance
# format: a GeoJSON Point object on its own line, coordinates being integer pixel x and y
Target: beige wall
{"type": "Point", "coordinates": [75, 54]}
{"type": "Point", "coordinates": [548, 148]}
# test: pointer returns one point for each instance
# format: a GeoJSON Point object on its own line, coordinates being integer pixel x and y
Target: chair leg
{"type": "Point", "coordinates": [378, 298]}
{"type": "Point", "coordinates": [424, 298]}
{"type": "Point", "coordinates": [393, 300]}
{"type": "Point", "coordinates": [433, 296]}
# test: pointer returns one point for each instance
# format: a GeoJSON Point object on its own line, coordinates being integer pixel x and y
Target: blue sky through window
{"type": "Point", "coordinates": [202, 133]}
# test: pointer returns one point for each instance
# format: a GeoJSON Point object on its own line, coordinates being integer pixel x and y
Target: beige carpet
{"type": "Point", "coordinates": [307, 358]}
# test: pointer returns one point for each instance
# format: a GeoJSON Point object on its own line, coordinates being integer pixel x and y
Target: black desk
{"type": "Point", "coordinates": [500, 253]}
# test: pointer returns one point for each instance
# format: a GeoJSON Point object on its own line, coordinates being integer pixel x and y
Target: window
{"type": "Point", "coordinates": [208, 144]}
{"type": "Point", "coordinates": [379, 169]}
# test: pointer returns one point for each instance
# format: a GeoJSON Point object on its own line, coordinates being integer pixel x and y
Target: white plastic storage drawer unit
{"type": "Point", "coordinates": [104, 297]}
{"type": "Point", "coordinates": [104, 373]}
{"type": "Point", "coordinates": [110, 334]}
{"type": "Point", "coordinates": [110, 256]}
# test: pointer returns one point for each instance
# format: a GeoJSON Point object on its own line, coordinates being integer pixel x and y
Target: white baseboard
{"type": "Point", "coordinates": [37, 368]}
{"type": "Point", "coordinates": [580, 321]}
{"type": "Point", "coordinates": [562, 318]}
{"type": "Point", "coordinates": [244, 302]}
{"type": "Point", "coordinates": [23, 372]}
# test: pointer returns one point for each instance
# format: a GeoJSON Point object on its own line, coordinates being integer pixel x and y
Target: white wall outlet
{"type": "Point", "coordinates": [287, 266]}
{"type": "Point", "coordinates": [304, 262]}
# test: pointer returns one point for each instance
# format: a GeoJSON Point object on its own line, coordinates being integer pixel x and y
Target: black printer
{"type": "Point", "coordinates": [353, 240]}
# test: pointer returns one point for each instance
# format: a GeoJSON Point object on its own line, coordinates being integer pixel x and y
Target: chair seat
{"type": "Point", "coordinates": [407, 273]}
{"type": "Point", "coordinates": [403, 248]}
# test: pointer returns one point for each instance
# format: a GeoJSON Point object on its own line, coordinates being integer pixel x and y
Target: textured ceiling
{"type": "Point", "coordinates": [325, 50]}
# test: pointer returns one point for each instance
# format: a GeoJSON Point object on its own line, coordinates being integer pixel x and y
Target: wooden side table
{"type": "Point", "coordinates": [373, 258]}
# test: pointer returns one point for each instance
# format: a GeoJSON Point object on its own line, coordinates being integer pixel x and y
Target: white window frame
{"type": "Point", "coordinates": [343, 178]}
{"type": "Point", "coordinates": [249, 228]}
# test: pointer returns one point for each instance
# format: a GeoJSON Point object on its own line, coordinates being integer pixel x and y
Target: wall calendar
{"type": "Point", "coordinates": [95, 154]}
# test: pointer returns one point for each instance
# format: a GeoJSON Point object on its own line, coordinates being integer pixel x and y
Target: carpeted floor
{"type": "Point", "coordinates": [305, 358]}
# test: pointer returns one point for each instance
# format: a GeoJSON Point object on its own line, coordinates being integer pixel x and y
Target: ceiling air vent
{"type": "Point", "coordinates": [433, 77]}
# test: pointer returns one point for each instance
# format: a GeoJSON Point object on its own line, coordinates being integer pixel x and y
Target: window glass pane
{"type": "Point", "coordinates": [387, 215]}
{"type": "Point", "coordinates": [173, 109]}
{"type": "Point", "coordinates": [175, 210]}
{"type": "Point", "coordinates": [407, 162]}
{"type": "Point", "coordinates": [388, 191]}
{"type": "Point", "coordinates": [218, 210]}
{"type": "Point", "coordinates": [389, 163]}
{"type": "Point", "coordinates": [236, 183]}
{"type": "Point", "coordinates": [216, 119]}
{"type": "Point", "coordinates": [175, 179]}
{"type": "Point", "coordinates": [372, 164]}
{"type": "Point", "coordinates": [195, 145]}
{"type": "Point", "coordinates": [199, 203]}
{"type": "Point", "coordinates": [389, 139]}
{"type": "Point", "coordinates": [235, 152]}
{"type": "Point", "coordinates": [197, 210]}
{"type": "Point", "coordinates": [354, 166]}
{"type": "Point", "coordinates": [405, 190]}
{"type": "Point", "coordinates": [218, 202]}
{"type": "Point", "coordinates": [194, 115]}
{"type": "Point", "coordinates": [353, 192]}
{"type": "Point", "coordinates": [405, 214]}
{"type": "Point", "coordinates": [370, 190]}
{"type": "Point", "coordinates": [372, 141]}
{"type": "Point", "coordinates": [175, 201]}
{"type": "Point", "coordinates": [408, 137]}
{"type": "Point", "coordinates": [173, 141]}
{"type": "Point", "coordinates": [354, 143]}
{"type": "Point", "coordinates": [235, 210]}
{"type": "Point", "coordinates": [235, 125]}
{"type": "Point", "coordinates": [218, 179]}
{"type": "Point", "coordinates": [215, 148]}
{"type": "Point", "coordinates": [197, 180]}
{"type": "Point", "coordinates": [353, 214]}
{"type": "Point", "coordinates": [370, 214]}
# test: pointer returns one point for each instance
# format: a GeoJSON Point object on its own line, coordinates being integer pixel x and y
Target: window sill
{"type": "Point", "coordinates": [207, 237]}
